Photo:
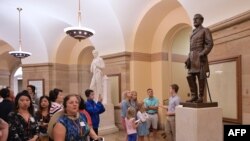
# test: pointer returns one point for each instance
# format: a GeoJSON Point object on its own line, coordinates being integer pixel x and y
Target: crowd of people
{"type": "Point", "coordinates": [139, 118]}
{"type": "Point", "coordinates": [55, 117]}
{"type": "Point", "coordinates": [58, 117]}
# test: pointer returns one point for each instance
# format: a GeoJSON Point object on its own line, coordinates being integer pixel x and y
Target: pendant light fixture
{"type": "Point", "coordinates": [20, 54]}
{"type": "Point", "coordinates": [79, 32]}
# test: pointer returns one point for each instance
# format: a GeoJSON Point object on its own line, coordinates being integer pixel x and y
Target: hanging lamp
{"type": "Point", "coordinates": [20, 54]}
{"type": "Point", "coordinates": [79, 32]}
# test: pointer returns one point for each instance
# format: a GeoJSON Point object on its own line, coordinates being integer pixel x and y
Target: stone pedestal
{"type": "Point", "coordinates": [199, 124]}
{"type": "Point", "coordinates": [107, 124]}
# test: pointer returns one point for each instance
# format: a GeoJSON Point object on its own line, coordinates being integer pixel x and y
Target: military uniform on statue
{"type": "Point", "coordinates": [196, 109]}
{"type": "Point", "coordinates": [201, 43]}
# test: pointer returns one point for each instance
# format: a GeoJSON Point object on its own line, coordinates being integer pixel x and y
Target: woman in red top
{"type": "Point", "coordinates": [82, 110]}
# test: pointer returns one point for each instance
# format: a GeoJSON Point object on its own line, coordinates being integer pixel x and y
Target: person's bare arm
{"type": "Point", "coordinates": [4, 129]}
{"type": "Point", "coordinates": [59, 132]}
{"type": "Point", "coordinates": [93, 135]}
{"type": "Point", "coordinates": [35, 138]}
{"type": "Point", "coordinates": [135, 124]}
{"type": "Point", "coordinates": [170, 113]}
{"type": "Point", "coordinates": [153, 107]}
{"type": "Point", "coordinates": [163, 106]}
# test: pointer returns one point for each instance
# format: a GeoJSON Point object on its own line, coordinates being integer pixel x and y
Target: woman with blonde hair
{"type": "Point", "coordinates": [134, 101]}
{"type": "Point", "coordinates": [125, 104]}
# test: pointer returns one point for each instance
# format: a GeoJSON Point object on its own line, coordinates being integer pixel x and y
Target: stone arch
{"type": "Point", "coordinates": [8, 64]}
{"type": "Point", "coordinates": [149, 23]}
{"type": "Point", "coordinates": [69, 56]}
{"type": "Point", "coordinates": [173, 70]}
{"type": "Point", "coordinates": [69, 50]}
{"type": "Point", "coordinates": [84, 60]}
{"type": "Point", "coordinates": [151, 39]}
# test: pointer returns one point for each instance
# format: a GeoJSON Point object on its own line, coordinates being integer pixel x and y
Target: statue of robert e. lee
{"type": "Point", "coordinates": [201, 43]}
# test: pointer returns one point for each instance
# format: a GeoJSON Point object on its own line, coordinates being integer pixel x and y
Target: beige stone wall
{"type": "Point", "coordinates": [75, 79]}
{"type": "Point", "coordinates": [4, 78]}
{"type": "Point", "coordinates": [119, 64]}
{"type": "Point", "coordinates": [54, 76]}
{"type": "Point", "coordinates": [231, 38]}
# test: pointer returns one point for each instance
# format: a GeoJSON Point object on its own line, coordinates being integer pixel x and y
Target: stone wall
{"type": "Point", "coordinates": [231, 38]}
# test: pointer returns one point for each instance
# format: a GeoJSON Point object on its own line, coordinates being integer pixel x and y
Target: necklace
{"type": "Point", "coordinates": [77, 124]}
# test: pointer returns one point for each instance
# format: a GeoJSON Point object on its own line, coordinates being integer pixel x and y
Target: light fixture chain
{"type": "Point", "coordinates": [20, 36]}
{"type": "Point", "coordinates": [79, 14]}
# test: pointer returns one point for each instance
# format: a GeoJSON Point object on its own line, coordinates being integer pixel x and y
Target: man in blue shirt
{"type": "Point", "coordinates": [174, 100]}
{"type": "Point", "coordinates": [94, 109]}
{"type": "Point", "coordinates": [151, 105]}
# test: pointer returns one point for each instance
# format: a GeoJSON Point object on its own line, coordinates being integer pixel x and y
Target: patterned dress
{"type": "Point", "coordinates": [76, 130]}
{"type": "Point", "coordinates": [42, 120]}
{"type": "Point", "coordinates": [19, 129]}
{"type": "Point", "coordinates": [142, 129]}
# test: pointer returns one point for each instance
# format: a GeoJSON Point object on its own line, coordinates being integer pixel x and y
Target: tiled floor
{"type": "Point", "coordinates": [121, 135]}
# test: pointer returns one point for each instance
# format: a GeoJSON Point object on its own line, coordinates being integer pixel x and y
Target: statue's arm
{"type": "Point", "coordinates": [208, 45]}
{"type": "Point", "coordinates": [91, 68]}
{"type": "Point", "coordinates": [101, 64]}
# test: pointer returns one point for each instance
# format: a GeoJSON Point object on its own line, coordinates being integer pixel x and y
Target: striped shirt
{"type": "Point", "coordinates": [55, 107]}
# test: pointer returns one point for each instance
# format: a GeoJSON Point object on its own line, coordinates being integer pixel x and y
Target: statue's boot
{"type": "Point", "coordinates": [201, 90]}
{"type": "Point", "coordinates": [193, 88]}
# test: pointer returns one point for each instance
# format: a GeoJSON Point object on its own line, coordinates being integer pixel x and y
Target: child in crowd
{"type": "Point", "coordinates": [131, 124]}
{"type": "Point", "coordinates": [142, 116]}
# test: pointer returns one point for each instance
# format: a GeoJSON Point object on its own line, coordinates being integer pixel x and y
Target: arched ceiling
{"type": "Point", "coordinates": [7, 62]}
{"type": "Point", "coordinates": [117, 22]}
{"type": "Point", "coordinates": [215, 10]}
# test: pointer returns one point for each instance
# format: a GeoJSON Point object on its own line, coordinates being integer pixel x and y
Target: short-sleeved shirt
{"type": "Point", "coordinates": [129, 126]}
{"type": "Point", "coordinates": [151, 102]}
{"type": "Point", "coordinates": [55, 107]}
{"type": "Point", "coordinates": [173, 102]}
{"type": "Point", "coordinates": [76, 130]}
{"type": "Point", "coordinates": [125, 105]}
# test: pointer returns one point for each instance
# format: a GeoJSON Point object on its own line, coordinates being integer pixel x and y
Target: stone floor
{"type": "Point", "coordinates": [121, 135]}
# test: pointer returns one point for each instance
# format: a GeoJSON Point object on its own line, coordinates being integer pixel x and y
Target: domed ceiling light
{"type": "Point", "coordinates": [79, 32]}
{"type": "Point", "coordinates": [20, 54]}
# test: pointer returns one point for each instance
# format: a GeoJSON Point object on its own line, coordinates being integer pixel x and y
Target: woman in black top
{"type": "Point", "coordinates": [22, 124]}
{"type": "Point", "coordinates": [43, 117]}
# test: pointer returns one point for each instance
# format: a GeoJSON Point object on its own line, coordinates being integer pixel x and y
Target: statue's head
{"type": "Point", "coordinates": [95, 53]}
{"type": "Point", "coordinates": [198, 20]}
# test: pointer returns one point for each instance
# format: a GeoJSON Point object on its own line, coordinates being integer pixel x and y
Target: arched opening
{"type": "Point", "coordinates": [18, 80]}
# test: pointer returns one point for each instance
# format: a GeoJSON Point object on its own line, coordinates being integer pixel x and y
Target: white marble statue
{"type": "Point", "coordinates": [96, 68]}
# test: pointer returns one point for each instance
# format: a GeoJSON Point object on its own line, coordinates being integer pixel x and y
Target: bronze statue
{"type": "Point", "coordinates": [201, 43]}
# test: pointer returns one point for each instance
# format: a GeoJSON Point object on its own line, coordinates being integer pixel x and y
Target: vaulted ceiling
{"type": "Point", "coordinates": [120, 25]}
